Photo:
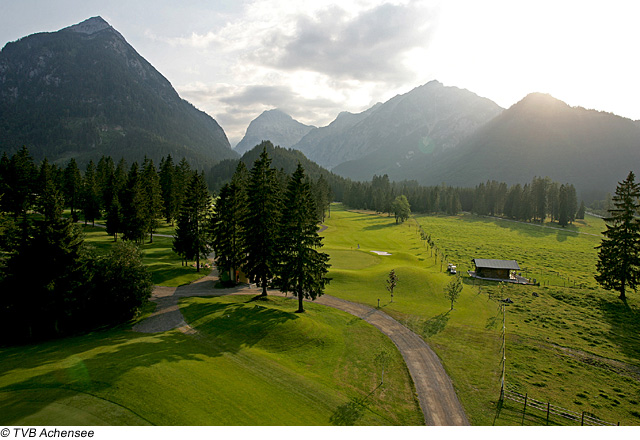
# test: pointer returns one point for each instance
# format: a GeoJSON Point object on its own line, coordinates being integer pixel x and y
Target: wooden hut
{"type": "Point", "coordinates": [495, 269]}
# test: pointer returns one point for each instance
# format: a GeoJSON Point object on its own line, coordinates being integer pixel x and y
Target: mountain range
{"type": "Point", "coordinates": [84, 91]}
{"type": "Point", "coordinates": [435, 134]}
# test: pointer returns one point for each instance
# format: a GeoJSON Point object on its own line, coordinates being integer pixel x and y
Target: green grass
{"type": "Point", "coordinates": [164, 264]}
{"type": "Point", "coordinates": [252, 363]}
{"type": "Point", "coordinates": [562, 344]}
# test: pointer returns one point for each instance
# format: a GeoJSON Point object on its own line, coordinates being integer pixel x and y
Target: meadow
{"type": "Point", "coordinates": [578, 348]}
{"type": "Point", "coordinates": [250, 362]}
{"type": "Point", "coordinates": [258, 363]}
{"type": "Point", "coordinates": [165, 265]}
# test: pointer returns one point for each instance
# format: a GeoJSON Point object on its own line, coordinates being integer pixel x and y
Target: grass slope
{"type": "Point", "coordinates": [576, 347]}
{"type": "Point", "coordinates": [251, 363]}
{"type": "Point", "coordinates": [164, 264]}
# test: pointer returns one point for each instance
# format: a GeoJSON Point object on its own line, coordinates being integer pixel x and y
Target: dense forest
{"type": "Point", "coordinates": [532, 202]}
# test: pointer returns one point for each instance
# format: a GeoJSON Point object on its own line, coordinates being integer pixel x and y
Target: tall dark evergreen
{"type": "Point", "coordinates": [90, 194]}
{"type": "Point", "coordinates": [303, 269]}
{"type": "Point", "coordinates": [153, 207]}
{"type": "Point", "coordinates": [169, 188]}
{"type": "Point", "coordinates": [20, 179]}
{"type": "Point", "coordinates": [618, 263]}
{"type": "Point", "coordinates": [72, 187]}
{"type": "Point", "coordinates": [192, 237]}
{"type": "Point", "coordinates": [49, 199]}
{"type": "Point", "coordinates": [262, 222]}
{"type": "Point", "coordinates": [227, 223]}
{"type": "Point", "coordinates": [134, 225]}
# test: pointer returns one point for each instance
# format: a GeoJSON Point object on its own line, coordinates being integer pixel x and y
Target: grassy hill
{"type": "Point", "coordinates": [578, 348]}
{"type": "Point", "coordinates": [249, 363]}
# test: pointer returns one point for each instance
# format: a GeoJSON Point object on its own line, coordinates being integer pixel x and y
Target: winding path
{"type": "Point", "coordinates": [438, 399]}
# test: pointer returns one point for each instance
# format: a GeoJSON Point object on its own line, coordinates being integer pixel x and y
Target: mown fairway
{"type": "Point", "coordinates": [164, 264]}
{"type": "Point", "coordinates": [251, 363]}
{"type": "Point", "coordinates": [578, 348]}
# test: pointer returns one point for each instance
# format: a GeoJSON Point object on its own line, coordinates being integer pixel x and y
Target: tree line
{"type": "Point", "coordinates": [534, 201]}
{"type": "Point", "coordinates": [51, 283]}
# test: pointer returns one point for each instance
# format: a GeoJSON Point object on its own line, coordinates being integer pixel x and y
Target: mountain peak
{"type": "Point", "coordinates": [274, 125]}
{"type": "Point", "coordinates": [89, 26]}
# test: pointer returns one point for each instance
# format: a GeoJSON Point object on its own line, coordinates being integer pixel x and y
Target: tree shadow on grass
{"type": "Point", "coordinates": [379, 226]}
{"type": "Point", "coordinates": [92, 364]}
{"type": "Point", "coordinates": [624, 322]}
{"type": "Point", "coordinates": [73, 367]}
{"type": "Point", "coordinates": [435, 325]}
{"type": "Point", "coordinates": [349, 413]}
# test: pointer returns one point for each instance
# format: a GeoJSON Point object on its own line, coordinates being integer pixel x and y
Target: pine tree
{"type": "Point", "coordinates": [168, 185]}
{"type": "Point", "coordinates": [192, 237]}
{"type": "Point", "coordinates": [132, 200]}
{"type": "Point", "coordinates": [261, 224]}
{"type": "Point", "coordinates": [563, 206]}
{"type": "Point", "coordinates": [226, 224]}
{"type": "Point", "coordinates": [618, 263]}
{"type": "Point", "coordinates": [114, 217]}
{"type": "Point", "coordinates": [152, 191]}
{"type": "Point", "coordinates": [90, 194]}
{"type": "Point", "coordinates": [21, 180]}
{"type": "Point", "coordinates": [303, 269]}
{"type": "Point", "coordinates": [49, 199]}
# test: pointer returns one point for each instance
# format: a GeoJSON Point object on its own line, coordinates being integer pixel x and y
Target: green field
{"type": "Point", "coordinates": [578, 348]}
{"type": "Point", "coordinates": [165, 265]}
{"type": "Point", "coordinates": [251, 363]}
{"type": "Point", "coordinates": [258, 363]}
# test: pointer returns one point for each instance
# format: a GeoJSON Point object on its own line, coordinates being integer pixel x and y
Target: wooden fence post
{"type": "Point", "coordinates": [582, 421]}
{"type": "Point", "coordinates": [524, 408]}
{"type": "Point", "coordinates": [548, 407]}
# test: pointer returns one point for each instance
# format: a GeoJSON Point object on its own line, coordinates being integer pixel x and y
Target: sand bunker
{"type": "Point", "coordinates": [381, 252]}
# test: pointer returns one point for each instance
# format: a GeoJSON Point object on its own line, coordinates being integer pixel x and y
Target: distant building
{"type": "Point", "coordinates": [495, 269]}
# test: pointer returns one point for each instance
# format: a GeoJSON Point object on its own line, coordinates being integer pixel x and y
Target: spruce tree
{"type": "Point", "coordinates": [303, 269]}
{"type": "Point", "coordinates": [132, 200]}
{"type": "Point", "coordinates": [90, 194]}
{"type": "Point", "coordinates": [153, 207]}
{"type": "Point", "coordinates": [169, 188]}
{"type": "Point", "coordinates": [261, 224]}
{"type": "Point", "coordinates": [226, 224]}
{"type": "Point", "coordinates": [192, 238]}
{"type": "Point", "coordinates": [618, 263]}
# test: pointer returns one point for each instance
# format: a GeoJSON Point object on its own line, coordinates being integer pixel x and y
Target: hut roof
{"type": "Point", "coordinates": [496, 264]}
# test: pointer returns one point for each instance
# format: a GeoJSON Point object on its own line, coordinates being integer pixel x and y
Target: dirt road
{"type": "Point", "coordinates": [438, 400]}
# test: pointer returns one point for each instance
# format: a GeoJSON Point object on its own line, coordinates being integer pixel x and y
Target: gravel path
{"type": "Point", "coordinates": [437, 397]}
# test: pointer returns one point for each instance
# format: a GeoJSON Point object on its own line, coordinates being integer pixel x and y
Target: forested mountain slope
{"type": "Point", "coordinates": [84, 91]}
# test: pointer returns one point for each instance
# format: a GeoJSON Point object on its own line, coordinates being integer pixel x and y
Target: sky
{"type": "Point", "coordinates": [314, 59]}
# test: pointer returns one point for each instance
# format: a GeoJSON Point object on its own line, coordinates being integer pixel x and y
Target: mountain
{"type": "Point", "coordinates": [84, 91]}
{"type": "Point", "coordinates": [543, 136]}
{"type": "Point", "coordinates": [275, 126]}
{"type": "Point", "coordinates": [416, 126]}
{"type": "Point", "coordinates": [283, 159]}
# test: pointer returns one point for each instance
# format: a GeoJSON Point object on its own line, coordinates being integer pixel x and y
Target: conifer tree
{"type": "Point", "coordinates": [226, 224]}
{"type": "Point", "coordinates": [303, 269]}
{"type": "Point", "coordinates": [49, 199]}
{"type": "Point", "coordinates": [90, 194]}
{"type": "Point", "coordinates": [261, 224]}
{"type": "Point", "coordinates": [152, 197]}
{"type": "Point", "coordinates": [192, 237]}
{"type": "Point", "coordinates": [114, 217]}
{"type": "Point", "coordinates": [20, 179]}
{"type": "Point", "coordinates": [168, 185]}
{"type": "Point", "coordinates": [618, 263]}
{"type": "Point", "coordinates": [133, 201]}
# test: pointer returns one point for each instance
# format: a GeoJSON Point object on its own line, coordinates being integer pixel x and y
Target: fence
{"type": "Point", "coordinates": [584, 418]}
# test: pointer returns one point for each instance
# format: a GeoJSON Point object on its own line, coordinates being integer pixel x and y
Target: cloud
{"type": "Point", "coordinates": [368, 46]}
